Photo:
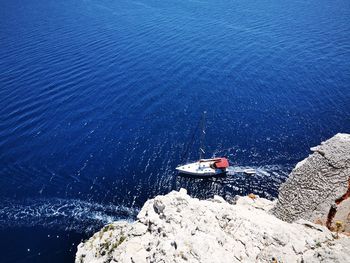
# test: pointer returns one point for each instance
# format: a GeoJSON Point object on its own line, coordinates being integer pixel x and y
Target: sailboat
{"type": "Point", "coordinates": [204, 167]}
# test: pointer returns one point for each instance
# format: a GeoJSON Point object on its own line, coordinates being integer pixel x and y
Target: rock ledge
{"type": "Point", "coordinates": [179, 228]}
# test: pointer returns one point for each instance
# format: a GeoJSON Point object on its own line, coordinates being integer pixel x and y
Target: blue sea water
{"type": "Point", "coordinates": [99, 100]}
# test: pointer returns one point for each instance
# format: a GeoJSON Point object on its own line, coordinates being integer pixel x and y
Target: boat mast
{"type": "Point", "coordinates": [202, 136]}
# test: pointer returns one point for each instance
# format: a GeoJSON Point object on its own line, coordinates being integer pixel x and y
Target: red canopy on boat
{"type": "Point", "coordinates": [221, 163]}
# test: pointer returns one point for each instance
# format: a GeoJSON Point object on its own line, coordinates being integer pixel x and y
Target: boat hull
{"type": "Point", "coordinates": [200, 169]}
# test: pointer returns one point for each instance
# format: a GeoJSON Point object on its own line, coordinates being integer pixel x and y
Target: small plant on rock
{"type": "Point", "coordinates": [338, 227]}
{"type": "Point", "coordinates": [252, 196]}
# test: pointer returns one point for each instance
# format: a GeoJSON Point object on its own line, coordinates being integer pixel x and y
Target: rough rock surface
{"type": "Point", "coordinates": [316, 183]}
{"type": "Point", "coordinates": [178, 228]}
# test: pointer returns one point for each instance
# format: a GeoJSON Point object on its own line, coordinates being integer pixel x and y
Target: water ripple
{"type": "Point", "coordinates": [77, 215]}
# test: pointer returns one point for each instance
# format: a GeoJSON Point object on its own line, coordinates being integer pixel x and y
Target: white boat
{"type": "Point", "coordinates": [204, 167]}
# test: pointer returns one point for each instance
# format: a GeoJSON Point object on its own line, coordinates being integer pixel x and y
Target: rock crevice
{"type": "Point", "coordinates": [334, 209]}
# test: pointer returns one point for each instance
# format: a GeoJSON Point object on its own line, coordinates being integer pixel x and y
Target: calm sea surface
{"type": "Point", "coordinates": [100, 100]}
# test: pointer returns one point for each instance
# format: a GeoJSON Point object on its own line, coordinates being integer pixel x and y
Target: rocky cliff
{"type": "Point", "coordinates": [319, 186]}
{"type": "Point", "coordinates": [179, 228]}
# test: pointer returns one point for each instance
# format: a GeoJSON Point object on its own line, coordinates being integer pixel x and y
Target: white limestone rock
{"type": "Point", "coordinates": [316, 182]}
{"type": "Point", "coordinates": [178, 228]}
